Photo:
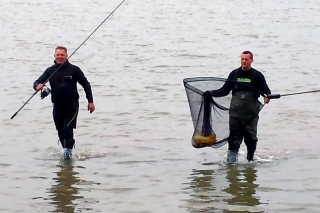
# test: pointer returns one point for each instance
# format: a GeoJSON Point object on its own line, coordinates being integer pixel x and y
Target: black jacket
{"type": "Point", "coordinates": [64, 83]}
{"type": "Point", "coordinates": [239, 80]}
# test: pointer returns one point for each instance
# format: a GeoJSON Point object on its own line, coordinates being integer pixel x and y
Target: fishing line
{"type": "Point", "coordinates": [68, 58]}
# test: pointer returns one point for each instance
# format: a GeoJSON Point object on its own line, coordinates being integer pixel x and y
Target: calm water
{"type": "Point", "coordinates": [134, 153]}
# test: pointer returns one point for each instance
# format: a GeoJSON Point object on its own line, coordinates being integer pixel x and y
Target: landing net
{"type": "Point", "coordinates": [210, 115]}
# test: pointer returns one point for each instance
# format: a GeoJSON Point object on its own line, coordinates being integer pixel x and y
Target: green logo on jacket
{"type": "Point", "coordinates": [245, 80]}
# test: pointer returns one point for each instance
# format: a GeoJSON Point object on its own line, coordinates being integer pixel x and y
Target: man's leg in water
{"type": "Point", "coordinates": [250, 138]}
{"type": "Point", "coordinates": [58, 116]}
{"type": "Point", "coordinates": [235, 139]}
{"type": "Point", "coordinates": [70, 123]}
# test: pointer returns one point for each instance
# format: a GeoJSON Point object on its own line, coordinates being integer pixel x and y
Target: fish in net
{"type": "Point", "coordinates": [210, 114]}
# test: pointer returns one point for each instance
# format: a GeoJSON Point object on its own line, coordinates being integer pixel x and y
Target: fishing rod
{"type": "Point", "coordinates": [275, 96]}
{"type": "Point", "coordinates": [14, 115]}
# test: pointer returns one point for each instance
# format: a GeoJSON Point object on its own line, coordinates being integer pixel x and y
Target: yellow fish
{"type": "Point", "coordinates": [208, 140]}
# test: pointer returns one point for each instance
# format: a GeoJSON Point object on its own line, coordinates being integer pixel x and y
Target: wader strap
{"type": "Point", "coordinates": [236, 80]}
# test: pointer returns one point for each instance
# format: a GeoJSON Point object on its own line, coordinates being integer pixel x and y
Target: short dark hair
{"type": "Point", "coordinates": [248, 52]}
{"type": "Point", "coordinates": [62, 48]}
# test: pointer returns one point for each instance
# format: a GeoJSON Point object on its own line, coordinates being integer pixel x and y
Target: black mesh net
{"type": "Point", "coordinates": [210, 115]}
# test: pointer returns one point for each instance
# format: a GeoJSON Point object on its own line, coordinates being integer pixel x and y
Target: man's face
{"type": "Point", "coordinates": [60, 56]}
{"type": "Point", "coordinates": [246, 61]}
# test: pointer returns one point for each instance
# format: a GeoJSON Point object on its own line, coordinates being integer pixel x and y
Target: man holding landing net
{"type": "Point", "coordinates": [246, 84]}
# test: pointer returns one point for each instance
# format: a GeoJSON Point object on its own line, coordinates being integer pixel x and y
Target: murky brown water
{"type": "Point", "coordinates": [134, 153]}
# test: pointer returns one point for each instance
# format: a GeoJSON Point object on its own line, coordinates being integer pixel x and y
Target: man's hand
{"type": "Point", "coordinates": [266, 100]}
{"type": "Point", "coordinates": [91, 107]}
{"type": "Point", "coordinates": [39, 87]}
{"type": "Point", "coordinates": [207, 94]}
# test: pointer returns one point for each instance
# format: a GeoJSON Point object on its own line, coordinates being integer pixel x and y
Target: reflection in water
{"type": "Point", "coordinates": [64, 193]}
{"type": "Point", "coordinates": [242, 186]}
{"type": "Point", "coordinates": [211, 192]}
{"type": "Point", "coordinates": [202, 184]}
{"type": "Point", "coordinates": [203, 188]}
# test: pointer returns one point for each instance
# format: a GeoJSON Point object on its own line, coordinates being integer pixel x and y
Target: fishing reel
{"type": "Point", "coordinates": [45, 91]}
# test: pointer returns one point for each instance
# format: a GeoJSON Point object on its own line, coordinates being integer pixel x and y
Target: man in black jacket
{"type": "Point", "coordinates": [246, 84]}
{"type": "Point", "coordinates": [63, 78]}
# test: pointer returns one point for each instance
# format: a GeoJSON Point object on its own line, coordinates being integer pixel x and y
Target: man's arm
{"type": "Point", "coordinates": [85, 84]}
{"type": "Point", "coordinates": [262, 85]}
{"type": "Point", "coordinates": [226, 88]}
{"type": "Point", "coordinates": [83, 81]}
{"type": "Point", "coordinates": [38, 84]}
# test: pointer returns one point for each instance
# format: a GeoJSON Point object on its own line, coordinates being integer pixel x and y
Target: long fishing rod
{"type": "Point", "coordinates": [275, 96]}
{"type": "Point", "coordinates": [14, 115]}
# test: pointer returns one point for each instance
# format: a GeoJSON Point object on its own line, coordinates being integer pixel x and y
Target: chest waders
{"type": "Point", "coordinates": [243, 122]}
